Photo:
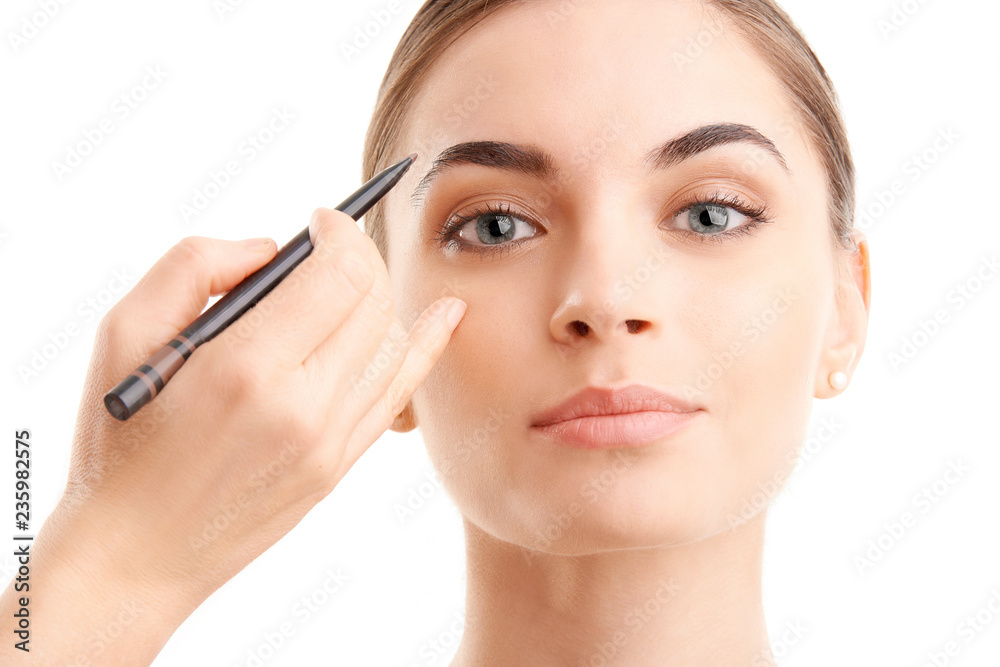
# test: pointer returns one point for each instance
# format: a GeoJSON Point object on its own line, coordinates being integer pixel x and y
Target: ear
{"type": "Point", "coordinates": [848, 329]}
{"type": "Point", "coordinates": [405, 421]}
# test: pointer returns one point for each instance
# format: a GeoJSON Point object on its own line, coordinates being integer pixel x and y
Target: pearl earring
{"type": "Point", "coordinates": [838, 379]}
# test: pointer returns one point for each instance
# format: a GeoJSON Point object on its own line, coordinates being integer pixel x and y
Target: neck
{"type": "Point", "coordinates": [686, 606]}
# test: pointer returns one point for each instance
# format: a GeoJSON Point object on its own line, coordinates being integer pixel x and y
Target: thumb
{"type": "Point", "coordinates": [428, 338]}
{"type": "Point", "coordinates": [176, 289]}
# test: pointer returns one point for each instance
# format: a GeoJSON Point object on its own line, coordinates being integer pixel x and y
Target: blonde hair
{"type": "Point", "coordinates": [765, 26]}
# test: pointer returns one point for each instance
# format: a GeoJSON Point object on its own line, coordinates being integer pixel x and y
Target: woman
{"type": "Point", "coordinates": [664, 232]}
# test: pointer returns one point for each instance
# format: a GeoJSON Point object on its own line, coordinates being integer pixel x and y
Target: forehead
{"type": "Point", "coordinates": [560, 74]}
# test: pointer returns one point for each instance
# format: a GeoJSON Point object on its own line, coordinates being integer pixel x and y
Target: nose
{"type": "Point", "coordinates": [606, 289]}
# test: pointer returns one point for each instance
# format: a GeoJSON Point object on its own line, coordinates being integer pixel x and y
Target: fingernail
{"type": "Point", "coordinates": [455, 313]}
{"type": "Point", "coordinates": [256, 244]}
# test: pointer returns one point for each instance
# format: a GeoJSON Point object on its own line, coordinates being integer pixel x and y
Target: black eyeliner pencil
{"type": "Point", "coordinates": [141, 386]}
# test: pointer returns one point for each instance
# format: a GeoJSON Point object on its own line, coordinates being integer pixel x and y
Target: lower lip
{"type": "Point", "coordinates": [630, 429]}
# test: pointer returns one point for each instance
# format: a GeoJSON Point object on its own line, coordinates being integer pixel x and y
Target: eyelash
{"type": "Point", "coordinates": [757, 215]}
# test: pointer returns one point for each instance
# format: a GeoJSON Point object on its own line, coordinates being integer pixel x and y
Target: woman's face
{"type": "Point", "coordinates": [735, 324]}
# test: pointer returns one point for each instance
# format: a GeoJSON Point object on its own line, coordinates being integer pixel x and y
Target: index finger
{"type": "Point", "coordinates": [316, 297]}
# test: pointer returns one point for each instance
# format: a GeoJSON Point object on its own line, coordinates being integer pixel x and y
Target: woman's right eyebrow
{"type": "Point", "coordinates": [533, 161]}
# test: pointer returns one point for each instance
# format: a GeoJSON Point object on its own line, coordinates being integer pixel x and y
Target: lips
{"type": "Point", "coordinates": [602, 418]}
{"type": "Point", "coordinates": [599, 401]}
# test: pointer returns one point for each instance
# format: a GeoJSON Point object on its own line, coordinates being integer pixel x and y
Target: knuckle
{"type": "Point", "coordinates": [321, 214]}
{"type": "Point", "coordinates": [340, 253]}
{"type": "Point", "coordinates": [351, 268]}
{"type": "Point", "coordinates": [113, 337]}
{"type": "Point", "coordinates": [192, 250]}
{"type": "Point", "coordinates": [245, 380]}
{"type": "Point", "coordinates": [112, 329]}
{"type": "Point", "coordinates": [318, 218]}
{"type": "Point", "coordinates": [318, 473]}
{"type": "Point", "coordinates": [318, 213]}
{"type": "Point", "coordinates": [304, 426]}
{"type": "Point", "coordinates": [324, 230]}
{"type": "Point", "coordinates": [396, 395]}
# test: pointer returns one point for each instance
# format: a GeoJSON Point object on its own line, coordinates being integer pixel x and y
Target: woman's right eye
{"type": "Point", "coordinates": [487, 230]}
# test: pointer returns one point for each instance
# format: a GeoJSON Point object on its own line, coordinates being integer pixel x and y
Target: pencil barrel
{"type": "Point", "coordinates": [142, 386]}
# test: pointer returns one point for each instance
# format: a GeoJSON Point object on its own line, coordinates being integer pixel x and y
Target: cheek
{"type": "Point", "coordinates": [476, 387]}
{"type": "Point", "coordinates": [757, 350]}
{"type": "Point", "coordinates": [743, 338]}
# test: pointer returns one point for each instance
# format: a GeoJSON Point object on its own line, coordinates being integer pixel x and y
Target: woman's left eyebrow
{"type": "Point", "coordinates": [535, 162]}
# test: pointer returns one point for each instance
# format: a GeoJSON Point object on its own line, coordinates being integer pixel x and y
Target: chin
{"type": "Point", "coordinates": [611, 524]}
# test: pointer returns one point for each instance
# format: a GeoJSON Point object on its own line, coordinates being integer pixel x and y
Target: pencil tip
{"type": "Point", "coordinates": [413, 156]}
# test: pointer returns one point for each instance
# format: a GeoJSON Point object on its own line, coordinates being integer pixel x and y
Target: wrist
{"type": "Point", "coordinates": [102, 543]}
{"type": "Point", "coordinates": [95, 598]}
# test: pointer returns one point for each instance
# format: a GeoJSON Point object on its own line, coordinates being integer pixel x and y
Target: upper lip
{"type": "Point", "coordinates": [592, 401]}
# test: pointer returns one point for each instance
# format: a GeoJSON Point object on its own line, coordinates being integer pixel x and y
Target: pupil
{"type": "Point", "coordinates": [497, 226]}
{"type": "Point", "coordinates": [710, 217]}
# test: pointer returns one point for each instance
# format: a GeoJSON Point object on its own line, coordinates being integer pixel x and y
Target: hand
{"type": "Point", "coordinates": [257, 426]}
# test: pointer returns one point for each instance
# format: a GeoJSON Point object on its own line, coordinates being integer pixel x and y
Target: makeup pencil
{"type": "Point", "coordinates": [141, 386]}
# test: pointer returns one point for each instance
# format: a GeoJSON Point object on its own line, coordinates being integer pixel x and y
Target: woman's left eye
{"type": "Point", "coordinates": [710, 218]}
{"type": "Point", "coordinates": [720, 216]}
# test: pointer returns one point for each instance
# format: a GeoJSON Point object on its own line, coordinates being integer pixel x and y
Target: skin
{"type": "Point", "coordinates": [685, 511]}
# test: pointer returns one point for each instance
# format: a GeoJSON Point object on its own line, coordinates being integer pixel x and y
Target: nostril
{"type": "Point", "coordinates": [636, 326]}
{"type": "Point", "coordinates": [582, 329]}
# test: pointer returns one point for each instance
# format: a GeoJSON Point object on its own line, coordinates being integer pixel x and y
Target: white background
{"type": "Point", "coordinates": [898, 429]}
